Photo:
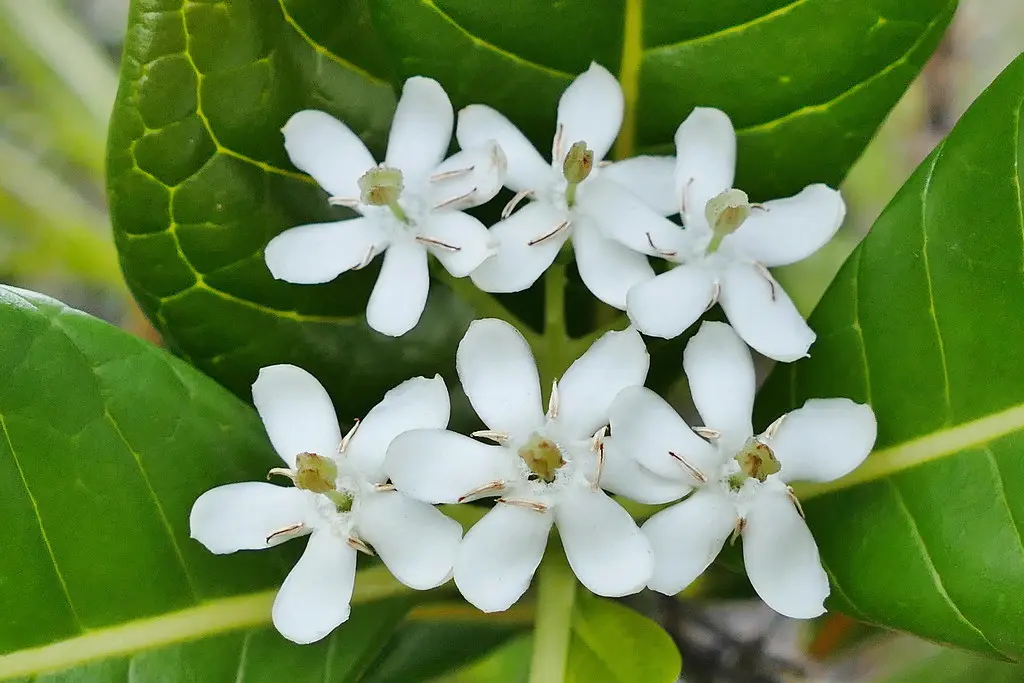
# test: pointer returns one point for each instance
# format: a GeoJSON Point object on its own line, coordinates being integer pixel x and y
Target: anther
{"type": "Point", "coordinates": [767, 275]}
{"type": "Point", "coordinates": [281, 472]}
{"type": "Point", "coordinates": [741, 524]}
{"type": "Point", "coordinates": [528, 504]}
{"type": "Point", "coordinates": [556, 144]}
{"type": "Point", "coordinates": [367, 257]}
{"type": "Point", "coordinates": [553, 401]}
{"type": "Point", "coordinates": [500, 438]}
{"type": "Point", "coordinates": [455, 200]}
{"type": "Point", "coordinates": [431, 242]}
{"type": "Point", "coordinates": [285, 531]}
{"type": "Point", "coordinates": [796, 501]}
{"type": "Point", "coordinates": [350, 202]}
{"type": "Point", "coordinates": [514, 202]}
{"type": "Point", "coordinates": [359, 545]}
{"type": "Point", "coordinates": [596, 485]}
{"type": "Point", "coordinates": [690, 468]}
{"type": "Point", "coordinates": [773, 428]}
{"type": "Point", "coordinates": [548, 235]}
{"type": "Point", "coordinates": [488, 489]}
{"type": "Point", "coordinates": [661, 252]}
{"type": "Point", "coordinates": [708, 433]}
{"type": "Point", "coordinates": [716, 291]}
{"type": "Point", "coordinates": [348, 436]}
{"type": "Point", "coordinates": [384, 488]}
{"type": "Point", "coordinates": [448, 175]}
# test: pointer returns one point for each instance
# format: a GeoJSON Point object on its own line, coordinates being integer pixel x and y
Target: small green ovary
{"type": "Point", "coordinates": [543, 457]}
{"type": "Point", "coordinates": [757, 460]}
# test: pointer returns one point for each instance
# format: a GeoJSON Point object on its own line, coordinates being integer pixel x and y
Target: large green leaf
{"type": "Point", "coordinates": [925, 322]}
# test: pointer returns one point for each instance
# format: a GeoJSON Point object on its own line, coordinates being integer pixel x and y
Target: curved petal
{"type": "Point", "coordinates": [325, 148]}
{"type": "Point", "coordinates": [705, 161]}
{"type": "Point", "coordinates": [296, 411]}
{"type": "Point", "coordinates": [400, 293]}
{"type": "Point", "coordinates": [421, 129]}
{"type": "Point", "coordinates": [468, 178]}
{"type": "Point", "coordinates": [720, 371]}
{"type": "Point", "coordinates": [319, 252]}
{"type": "Point", "coordinates": [315, 597]}
{"type": "Point", "coordinates": [417, 403]}
{"type": "Point", "coordinates": [499, 555]}
{"type": "Point", "coordinates": [785, 231]}
{"type": "Point", "coordinates": [585, 392]}
{"type": "Point", "coordinates": [245, 516]}
{"type": "Point", "coordinates": [499, 376]}
{"type": "Point", "coordinates": [687, 537]}
{"type": "Point", "coordinates": [782, 559]}
{"type": "Point", "coordinates": [648, 430]}
{"type": "Point", "coordinates": [624, 476]}
{"type": "Point", "coordinates": [478, 124]}
{"type": "Point", "coordinates": [459, 241]}
{"type": "Point", "coordinates": [762, 313]}
{"type": "Point", "coordinates": [607, 268]}
{"type": "Point", "coordinates": [825, 439]}
{"type": "Point", "coordinates": [651, 178]}
{"type": "Point", "coordinates": [590, 110]}
{"type": "Point", "coordinates": [523, 250]}
{"type": "Point", "coordinates": [667, 305]}
{"type": "Point", "coordinates": [623, 217]}
{"type": "Point", "coordinates": [416, 541]}
{"type": "Point", "coordinates": [438, 466]}
{"type": "Point", "coordinates": [602, 543]}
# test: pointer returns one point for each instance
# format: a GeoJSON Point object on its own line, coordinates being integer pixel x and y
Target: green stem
{"type": "Point", "coordinates": [485, 304]}
{"type": "Point", "coordinates": [556, 595]}
{"type": "Point", "coordinates": [555, 355]}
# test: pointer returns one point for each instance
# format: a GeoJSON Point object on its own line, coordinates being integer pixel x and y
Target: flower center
{"type": "Point", "coordinates": [317, 474]}
{"type": "Point", "coordinates": [756, 461]}
{"type": "Point", "coordinates": [543, 457]}
{"type": "Point", "coordinates": [726, 213]}
{"type": "Point", "coordinates": [382, 186]}
{"type": "Point", "coordinates": [579, 162]}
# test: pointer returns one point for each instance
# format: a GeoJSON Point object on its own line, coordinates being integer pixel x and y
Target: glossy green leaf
{"type": "Point", "coordinates": [925, 322]}
{"type": "Point", "coordinates": [615, 644]}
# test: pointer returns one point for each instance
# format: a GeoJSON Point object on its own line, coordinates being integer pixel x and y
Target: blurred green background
{"type": "Point", "coordinates": [58, 76]}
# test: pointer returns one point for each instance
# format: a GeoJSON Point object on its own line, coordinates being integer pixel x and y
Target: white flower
{"type": "Point", "coordinates": [546, 469]}
{"type": "Point", "coordinates": [611, 227]}
{"type": "Point", "coordinates": [741, 481]}
{"type": "Point", "coordinates": [731, 244]}
{"type": "Point", "coordinates": [410, 205]}
{"type": "Point", "coordinates": [339, 499]}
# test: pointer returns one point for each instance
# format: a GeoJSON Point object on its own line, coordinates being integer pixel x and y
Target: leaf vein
{"type": "Point", "coordinates": [320, 49]}
{"type": "Point", "coordinates": [730, 30]}
{"type": "Point", "coordinates": [1001, 488]}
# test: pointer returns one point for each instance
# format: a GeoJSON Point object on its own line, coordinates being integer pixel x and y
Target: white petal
{"type": "Point", "coordinates": [763, 314]}
{"type": "Point", "coordinates": [518, 263]}
{"type": "Point", "coordinates": [417, 403]}
{"type": "Point", "coordinates": [687, 537]}
{"type": "Point", "coordinates": [296, 411]}
{"type": "Point", "coordinates": [421, 129]}
{"type": "Point", "coordinates": [499, 376]}
{"type": "Point", "coordinates": [604, 547]}
{"type": "Point", "coordinates": [650, 178]}
{"type": "Point", "coordinates": [479, 124]}
{"type": "Point", "coordinates": [607, 268]}
{"type": "Point", "coordinates": [438, 466]}
{"type": "Point", "coordinates": [624, 476]}
{"type": "Point", "coordinates": [400, 293]}
{"type": "Point", "coordinates": [471, 241]}
{"type": "Point", "coordinates": [720, 371]}
{"type": "Point", "coordinates": [624, 218]}
{"type": "Point", "coordinates": [315, 598]}
{"type": "Point", "coordinates": [473, 176]}
{"type": "Point", "coordinates": [591, 110]}
{"type": "Point", "coordinates": [585, 392]}
{"type": "Point", "coordinates": [705, 161]}
{"type": "Point", "coordinates": [320, 252]}
{"type": "Point", "coordinates": [499, 555]}
{"type": "Point", "coordinates": [328, 150]}
{"type": "Point", "coordinates": [647, 429]}
{"type": "Point", "coordinates": [825, 439]}
{"type": "Point", "coordinates": [416, 541]}
{"type": "Point", "coordinates": [243, 516]}
{"type": "Point", "coordinates": [667, 305]}
{"type": "Point", "coordinates": [788, 230]}
{"type": "Point", "coordinates": [782, 559]}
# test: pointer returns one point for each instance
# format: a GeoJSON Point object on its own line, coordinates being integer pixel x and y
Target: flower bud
{"type": "Point", "coordinates": [315, 473]}
{"type": "Point", "coordinates": [757, 460]}
{"type": "Point", "coordinates": [381, 186]}
{"type": "Point", "coordinates": [579, 161]}
{"type": "Point", "coordinates": [543, 457]}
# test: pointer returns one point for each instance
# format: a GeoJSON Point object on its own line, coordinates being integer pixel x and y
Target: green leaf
{"type": "Point", "coordinates": [798, 75]}
{"type": "Point", "coordinates": [925, 322]}
{"type": "Point", "coordinates": [199, 182]}
{"type": "Point", "coordinates": [954, 666]}
{"type": "Point", "coordinates": [612, 643]}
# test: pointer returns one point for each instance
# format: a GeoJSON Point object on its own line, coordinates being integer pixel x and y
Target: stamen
{"type": "Point", "coordinates": [500, 438]}
{"type": "Point", "coordinates": [514, 202]}
{"type": "Point", "coordinates": [367, 257]}
{"type": "Point", "coordinates": [360, 546]}
{"type": "Point", "coordinates": [773, 428]}
{"type": "Point", "coordinates": [708, 433]}
{"type": "Point", "coordinates": [448, 175]}
{"type": "Point", "coordinates": [528, 504]}
{"type": "Point", "coordinates": [741, 524]}
{"type": "Point", "coordinates": [556, 144]}
{"type": "Point", "coordinates": [281, 472]}
{"type": "Point", "coordinates": [454, 200]}
{"type": "Point", "coordinates": [716, 291]}
{"type": "Point", "coordinates": [548, 235]}
{"type": "Point", "coordinates": [348, 437]}
{"type": "Point", "coordinates": [792, 496]}
{"type": "Point", "coordinates": [766, 274]}
{"type": "Point", "coordinates": [284, 531]}
{"type": "Point", "coordinates": [482, 491]}
{"type": "Point", "coordinates": [682, 196]}
{"type": "Point", "coordinates": [350, 202]}
{"type": "Point", "coordinates": [596, 441]}
{"type": "Point", "coordinates": [596, 485]}
{"type": "Point", "coordinates": [553, 401]}
{"type": "Point", "coordinates": [431, 242]}
{"type": "Point", "coordinates": [384, 488]}
{"type": "Point", "coordinates": [689, 467]}
{"type": "Point", "coordinates": [661, 252]}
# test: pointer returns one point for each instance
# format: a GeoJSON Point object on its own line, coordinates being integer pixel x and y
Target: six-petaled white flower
{"type": "Point", "coordinates": [411, 205]}
{"type": "Point", "coordinates": [741, 481]}
{"type": "Point", "coordinates": [730, 243]}
{"type": "Point", "coordinates": [612, 228]}
{"type": "Point", "coordinates": [545, 469]}
{"type": "Point", "coordinates": [340, 499]}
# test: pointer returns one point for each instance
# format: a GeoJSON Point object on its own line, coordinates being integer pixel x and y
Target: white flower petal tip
{"type": "Point", "coordinates": [439, 466]}
{"type": "Point", "coordinates": [247, 516]}
{"type": "Point", "coordinates": [421, 129]}
{"type": "Point", "coordinates": [824, 440]}
{"type": "Point", "coordinates": [720, 370]}
{"type": "Point", "coordinates": [459, 241]}
{"type": "Point", "coordinates": [667, 305]}
{"type": "Point", "coordinates": [705, 161]}
{"type": "Point", "coordinates": [479, 124]}
{"type": "Point", "coordinates": [400, 293]}
{"type": "Point", "coordinates": [297, 412]}
{"type": "Point", "coordinates": [316, 596]}
{"type": "Point", "coordinates": [590, 110]}
{"type": "Point", "coordinates": [328, 150]}
{"type": "Point", "coordinates": [320, 252]}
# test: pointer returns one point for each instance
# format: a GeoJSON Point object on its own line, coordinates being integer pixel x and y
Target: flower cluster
{"type": "Point", "coordinates": [553, 464]}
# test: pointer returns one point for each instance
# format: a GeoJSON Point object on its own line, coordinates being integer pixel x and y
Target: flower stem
{"type": "Point", "coordinates": [556, 595]}
{"type": "Point", "coordinates": [556, 353]}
